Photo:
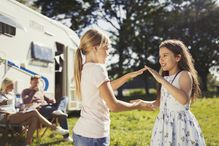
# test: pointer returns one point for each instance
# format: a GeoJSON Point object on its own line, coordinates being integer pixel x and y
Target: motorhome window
{"type": "Point", "coordinates": [7, 29]}
{"type": "Point", "coordinates": [41, 53]}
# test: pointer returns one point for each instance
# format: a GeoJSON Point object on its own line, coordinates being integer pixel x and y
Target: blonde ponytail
{"type": "Point", "coordinates": [77, 72]}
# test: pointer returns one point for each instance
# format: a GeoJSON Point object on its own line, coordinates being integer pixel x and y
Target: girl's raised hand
{"type": "Point", "coordinates": [136, 73]}
{"type": "Point", "coordinates": [154, 73]}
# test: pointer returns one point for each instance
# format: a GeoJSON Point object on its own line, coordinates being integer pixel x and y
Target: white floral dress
{"type": "Point", "coordinates": [175, 124]}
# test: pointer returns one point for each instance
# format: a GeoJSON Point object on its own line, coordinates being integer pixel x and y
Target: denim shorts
{"type": "Point", "coordinates": [85, 141]}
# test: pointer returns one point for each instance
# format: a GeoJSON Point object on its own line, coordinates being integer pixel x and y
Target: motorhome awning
{"type": "Point", "coordinates": [9, 21]}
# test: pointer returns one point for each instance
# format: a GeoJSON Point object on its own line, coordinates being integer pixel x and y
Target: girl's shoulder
{"type": "Point", "coordinates": [185, 74]}
{"type": "Point", "coordinates": [185, 77]}
{"type": "Point", "coordinates": [89, 64]}
{"type": "Point", "coordinates": [94, 67]}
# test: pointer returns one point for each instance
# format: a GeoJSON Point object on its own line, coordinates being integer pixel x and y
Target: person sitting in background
{"type": "Point", "coordinates": [31, 118]}
{"type": "Point", "coordinates": [48, 106]}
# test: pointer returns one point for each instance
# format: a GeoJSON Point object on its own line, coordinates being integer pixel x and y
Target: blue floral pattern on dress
{"type": "Point", "coordinates": [175, 125]}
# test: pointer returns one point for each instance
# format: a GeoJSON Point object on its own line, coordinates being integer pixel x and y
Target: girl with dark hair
{"type": "Point", "coordinates": [178, 87]}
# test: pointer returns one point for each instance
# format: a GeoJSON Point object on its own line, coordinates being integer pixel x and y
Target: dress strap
{"type": "Point", "coordinates": [175, 77]}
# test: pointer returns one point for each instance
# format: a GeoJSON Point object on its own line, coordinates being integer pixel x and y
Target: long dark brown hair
{"type": "Point", "coordinates": [185, 63]}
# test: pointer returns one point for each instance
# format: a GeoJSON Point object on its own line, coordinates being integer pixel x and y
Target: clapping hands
{"type": "Point", "coordinates": [143, 105]}
{"type": "Point", "coordinates": [153, 72]}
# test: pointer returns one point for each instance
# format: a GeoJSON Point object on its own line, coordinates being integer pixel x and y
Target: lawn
{"type": "Point", "coordinates": [134, 128]}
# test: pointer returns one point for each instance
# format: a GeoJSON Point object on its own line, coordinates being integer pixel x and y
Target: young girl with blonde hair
{"type": "Point", "coordinates": [96, 91]}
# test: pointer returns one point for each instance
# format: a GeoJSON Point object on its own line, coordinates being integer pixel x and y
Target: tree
{"type": "Point", "coordinates": [28, 4]}
{"type": "Point", "coordinates": [80, 13]}
{"type": "Point", "coordinates": [122, 16]}
{"type": "Point", "coordinates": [135, 37]}
{"type": "Point", "coordinates": [139, 26]}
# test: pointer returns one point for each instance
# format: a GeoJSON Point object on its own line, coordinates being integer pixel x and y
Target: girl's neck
{"type": "Point", "coordinates": [89, 59]}
{"type": "Point", "coordinates": [174, 71]}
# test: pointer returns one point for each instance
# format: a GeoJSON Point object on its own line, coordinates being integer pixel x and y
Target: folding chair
{"type": "Point", "coordinates": [55, 119]}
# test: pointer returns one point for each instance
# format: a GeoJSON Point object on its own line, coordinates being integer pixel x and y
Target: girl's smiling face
{"type": "Point", "coordinates": [168, 60]}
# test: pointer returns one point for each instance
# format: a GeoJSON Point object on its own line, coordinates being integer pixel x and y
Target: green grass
{"type": "Point", "coordinates": [134, 128]}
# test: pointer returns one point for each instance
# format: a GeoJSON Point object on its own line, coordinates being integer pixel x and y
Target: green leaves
{"type": "Point", "coordinates": [137, 28]}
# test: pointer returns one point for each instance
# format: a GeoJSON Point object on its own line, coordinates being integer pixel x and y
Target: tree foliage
{"type": "Point", "coordinates": [138, 27]}
{"type": "Point", "coordinates": [80, 13]}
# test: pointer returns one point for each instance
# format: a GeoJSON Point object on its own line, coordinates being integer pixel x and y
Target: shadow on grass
{"type": "Point", "coordinates": [12, 141]}
{"type": "Point", "coordinates": [74, 114]}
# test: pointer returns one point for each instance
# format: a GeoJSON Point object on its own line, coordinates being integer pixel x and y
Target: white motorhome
{"type": "Point", "coordinates": [32, 44]}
